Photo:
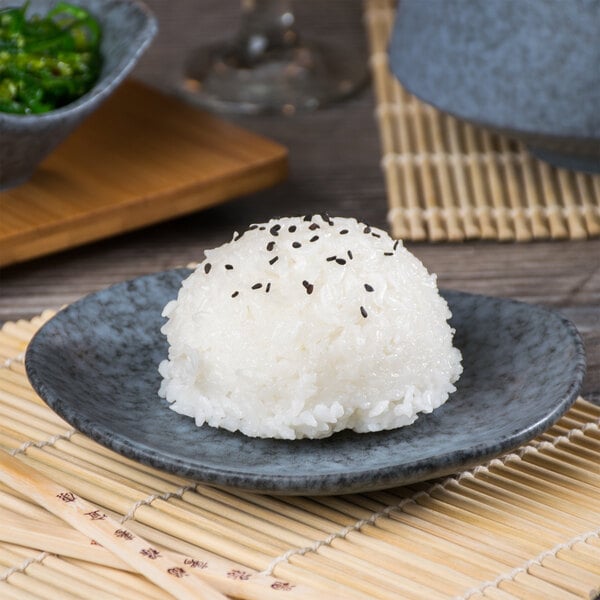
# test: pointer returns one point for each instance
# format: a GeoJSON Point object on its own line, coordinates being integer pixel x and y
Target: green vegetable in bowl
{"type": "Point", "coordinates": [47, 62]}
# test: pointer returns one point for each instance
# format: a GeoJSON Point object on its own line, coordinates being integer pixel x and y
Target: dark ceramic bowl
{"type": "Point", "coordinates": [127, 29]}
{"type": "Point", "coordinates": [525, 68]}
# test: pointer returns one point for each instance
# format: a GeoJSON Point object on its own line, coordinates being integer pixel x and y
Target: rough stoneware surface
{"type": "Point", "coordinates": [528, 68]}
{"type": "Point", "coordinates": [127, 29]}
{"type": "Point", "coordinates": [95, 364]}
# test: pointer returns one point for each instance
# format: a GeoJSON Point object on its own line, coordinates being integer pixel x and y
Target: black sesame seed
{"type": "Point", "coordinates": [257, 286]}
{"type": "Point", "coordinates": [229, 267]}
{"type": "Point", "coordinates": [369, 288]}
{"type": "Point", "coordinates": [314, 238]}
{"type": "Point", "coordinates": [292, 228]}
{"type": "Point", "coordinates": [376, 235]}
{"type": "Point", "coordinates": [261, 228]}
{"type": "Point", "coordinates": [388, 254]}
{"type": "Point", "coordinates": [274, 260]}
{"type": "Point", "coordinates": [296, 245]}
{"type": "Point", "coordinates": [308, 286]}
{"type": "Point", "coordinates": [343, 232]}
{"type": "Point", "coordinates": [268, 288]}
{"type": "Point", "coordinates": [207, 268]}
{"type": "Point", "coordinates": [238, 236]}
{"type": "Point", "coordinates": [330, 258]}
{"type": "Point", "coordinates": [350, 255]}
{"type": "Point", "coordinates": [252, 227]}
{"type": "Point", "coordinates": [234, 294]}
{"type": "Point", "coordinates": [275, 230]}
{"type": "Point", "coordinates": [363, 312]}
{"type": "Point", "coordinates": [314, 226]}
{"type": "Point", "coordinates": [367, 229]}
{"type": "Point", "coordinates": [396, 244]}
{"type": "Point", "coordinates": [307, 218]}
{"type": "Point", "coordinates": [270, 246]}
{"type": "Point", "coordinates": [340, 261]}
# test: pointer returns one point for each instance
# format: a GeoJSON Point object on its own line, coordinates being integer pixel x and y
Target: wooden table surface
{"type": "Point", "coordinates": [334, 156]}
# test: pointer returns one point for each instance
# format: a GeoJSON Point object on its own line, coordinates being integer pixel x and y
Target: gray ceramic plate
{"type": "Point", "coordinates": [95, 365]}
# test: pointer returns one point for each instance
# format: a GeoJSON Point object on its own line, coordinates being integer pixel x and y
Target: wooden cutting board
{"type": "Point", "coordinates": [141, 158]}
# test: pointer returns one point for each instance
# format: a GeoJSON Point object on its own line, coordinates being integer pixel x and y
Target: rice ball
{"type": "Point", "coordinates": [305, 326]}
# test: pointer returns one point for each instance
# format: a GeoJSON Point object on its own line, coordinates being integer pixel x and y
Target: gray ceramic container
{"type": "Point", "coordinates": [526, 68]}
{"type": "Point", "coordinates": [127, 29]}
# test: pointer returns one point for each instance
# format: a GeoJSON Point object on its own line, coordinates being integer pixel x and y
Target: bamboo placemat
{"type": "Point", "coordinates": [526, 525]}
{"type": "Point", "coordinates": [449, 181]}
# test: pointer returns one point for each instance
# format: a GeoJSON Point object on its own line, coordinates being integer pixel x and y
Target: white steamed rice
{"type": "Point", "coordinates": [274, 337]}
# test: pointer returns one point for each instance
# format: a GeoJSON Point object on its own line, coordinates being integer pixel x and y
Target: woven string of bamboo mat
{"type": "Point", "coordinates": [526, 525]}
{"type": "Point", "coordinates": [449, 181]}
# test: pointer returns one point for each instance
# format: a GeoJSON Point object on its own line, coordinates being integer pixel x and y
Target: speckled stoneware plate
{"type": "Point", "coordinates": [95, 364]}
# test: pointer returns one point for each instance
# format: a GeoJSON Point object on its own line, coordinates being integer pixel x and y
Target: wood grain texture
{"type": "Point", "coordinates": [140, 159]}
{"type": "Point", "coordinates": [334, 164]}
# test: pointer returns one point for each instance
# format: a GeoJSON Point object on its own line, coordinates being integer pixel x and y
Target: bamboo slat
{"type": "Point", "coordinates": [449, 181]}
{"type": "Point", "coordinates": [524, 526]}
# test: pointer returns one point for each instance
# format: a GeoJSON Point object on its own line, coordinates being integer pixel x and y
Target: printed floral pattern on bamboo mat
{"type": "Point", "coordinates": [525, 525]}
{"type": "Point", "coordinates": [450, 181]}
